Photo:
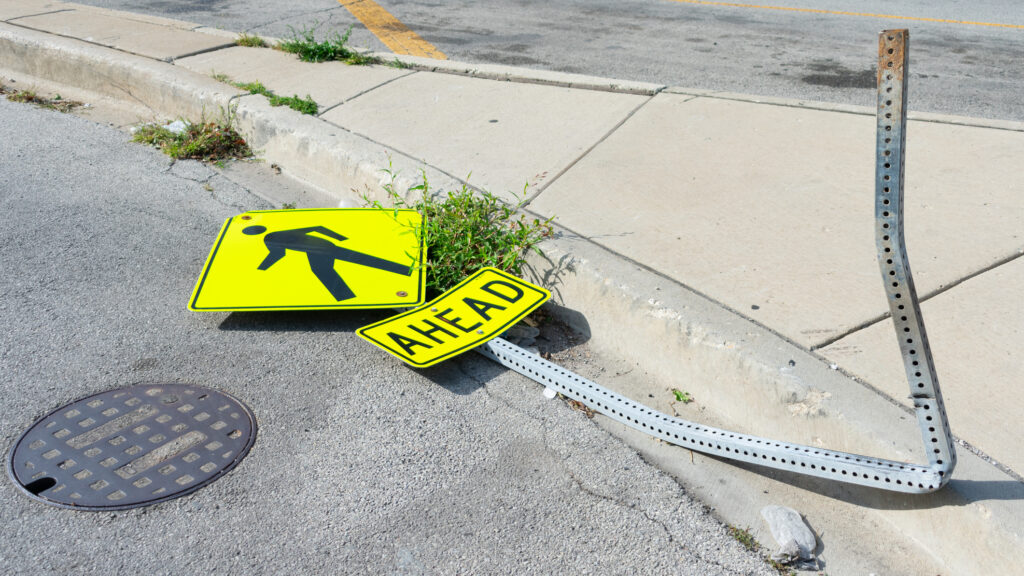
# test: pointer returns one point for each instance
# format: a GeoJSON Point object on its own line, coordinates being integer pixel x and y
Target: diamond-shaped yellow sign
{"type": "Point", "coordinates": [314, 259]}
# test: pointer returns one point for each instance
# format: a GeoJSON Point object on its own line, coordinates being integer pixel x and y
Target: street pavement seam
{"type": "Point", "coordinates": [846, 13]}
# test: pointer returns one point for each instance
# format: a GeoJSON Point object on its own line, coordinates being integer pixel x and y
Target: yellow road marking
{"type": "Point", "coordinates": [841, 13]}
{"type": "Point", "coordinates": [389, 30]}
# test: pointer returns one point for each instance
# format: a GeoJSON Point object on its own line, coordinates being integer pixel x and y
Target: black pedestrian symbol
{"type": "Point", "coordinates": [321, 254]}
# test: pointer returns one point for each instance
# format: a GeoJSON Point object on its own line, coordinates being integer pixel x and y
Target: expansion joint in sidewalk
{"type": "Point", "coordinates": [590, 149]}
{"type": "Point", "coordinates": [47, 13]}
{"type": "Point", "coordinates": [172, 59]}
{"type": "Point", "coordinates": [927, 296]}
{"type": "Point", "coordinates": [371, 89]}
{"type": "Point", "coordinates": [404, 154]}
{"type": "Point", "coordinates": [976, 273]}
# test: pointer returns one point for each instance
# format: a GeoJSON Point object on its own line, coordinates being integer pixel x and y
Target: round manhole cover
{"type": "Point", "coordinates": [132, 447]}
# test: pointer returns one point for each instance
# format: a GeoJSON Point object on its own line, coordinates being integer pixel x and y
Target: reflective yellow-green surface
{"type": "Point", "coordinates": [313, 259]}
{"type": "Point", "coordinates": [478, 309]}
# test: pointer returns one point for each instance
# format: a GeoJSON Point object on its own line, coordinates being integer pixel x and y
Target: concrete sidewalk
{"type": "Point", "coordinates": [721, 242]}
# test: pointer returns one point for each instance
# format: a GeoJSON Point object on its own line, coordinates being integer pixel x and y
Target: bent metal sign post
{"type": "Point", "coordinates": [478, 309]}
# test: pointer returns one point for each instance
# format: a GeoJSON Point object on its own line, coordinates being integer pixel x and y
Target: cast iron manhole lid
{"type": "Point", "coordinates": [132, 447]}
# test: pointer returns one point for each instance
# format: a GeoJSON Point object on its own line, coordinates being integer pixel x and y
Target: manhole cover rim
{"type": "Point", "coordinates": [242, 452]}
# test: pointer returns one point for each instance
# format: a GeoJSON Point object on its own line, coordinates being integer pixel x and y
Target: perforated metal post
{"type": "Point", "coordinates": [893, 58]}
{"type": "Point", "coordinates": [899, 287]}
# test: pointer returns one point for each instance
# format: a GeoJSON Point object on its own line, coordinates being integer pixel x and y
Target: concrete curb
{"type": "Point", "coordinates": [328, 157]}
{"type": "Point", "coordinates": [160, 87]}
{"type": "Point", "coordinates": [525, 75]}
{"type": "Point", "coordinates": [788, 392]}
{"type": "Point", "coordinates": [752, 380]}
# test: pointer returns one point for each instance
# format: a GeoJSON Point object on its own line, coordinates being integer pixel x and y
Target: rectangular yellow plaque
{"type": "Point", "coordinates": [478, 309]}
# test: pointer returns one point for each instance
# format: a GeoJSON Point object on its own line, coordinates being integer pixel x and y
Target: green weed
{"type": "Point", "coordinates": [31, 97]}
{"type": "Point", "coordinates": [304, 105]}
{"type": "Point", "coordinates": [743, 536]}
{"type": "Point", "coordinates": [207, 141]}
{"type": "Point", "coordinates": [252, 41]}
{"type": "Point", "coordinates": [465, 231]}
{"type": "Point", "coordinates": [681, 396]}
{"type": "Point", "coordinates": [309, 49]}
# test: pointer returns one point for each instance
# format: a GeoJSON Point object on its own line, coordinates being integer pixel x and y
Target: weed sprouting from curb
{"type": "Point", "coordinates": [396, 63]}
{"type": "Point", "coordinates": [251, 41]}
{"type": "Point", "coordinates": [304, 105]}
{"type": "Point", "coordinates": [256, 87]}
{"type": "Point", "coordinates": [743, 536]}
{"type": "Point", "coordinates": [207, 141]}
{"type": "Point", "coordinates": [465, 231]}
{"type": "Point", "coordinates": [309, 49]}
{"type": "Point", "coordinates": [31, 97]}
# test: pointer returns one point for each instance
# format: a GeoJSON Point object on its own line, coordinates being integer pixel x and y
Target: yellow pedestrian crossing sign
{"type": "Point", "coordinates": [314, 259]}
{"type": "Point", "coordinates": [478, 309]}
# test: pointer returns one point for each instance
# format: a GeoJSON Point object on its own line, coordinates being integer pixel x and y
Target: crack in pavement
{"type": "Point", "coordinates": [294, 16]}
{"type": "Point", "coordinates": [578, 482]}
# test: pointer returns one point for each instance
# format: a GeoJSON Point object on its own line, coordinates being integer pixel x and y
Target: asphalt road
{"type": "Point", "coordinates": [956, 67]}
{"type": "Point", "coordinates": [361, 464]}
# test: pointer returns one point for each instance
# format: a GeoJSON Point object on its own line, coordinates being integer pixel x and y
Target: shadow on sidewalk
{"type": "Point", "coordinates": [956, 493]}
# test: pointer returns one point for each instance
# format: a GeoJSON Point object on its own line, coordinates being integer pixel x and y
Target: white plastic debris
{"type": "Point", "coordinates": [549, 393]}
{"type": "Point", "coordinates": [177, 127]}
{"type": "Point", "coordinates": [833, 366]}
{"type": "Point", "coordinates": [796, 541]}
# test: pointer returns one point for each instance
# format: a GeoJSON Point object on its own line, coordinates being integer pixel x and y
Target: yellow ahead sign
{"type": "Point", "coordinates": [314, 259]}
{"type": "Point", "coordinates": [478, 309]}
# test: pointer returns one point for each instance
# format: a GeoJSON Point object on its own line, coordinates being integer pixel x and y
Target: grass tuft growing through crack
{"type": "Point", "coordinates": [31, 97]}
{"type": "Point", "coordinates": [743, 536]}
{"type": "Point", "coordinates": [681, 396]}
{"type": "Point", "coordinates": [207, 141]}
{"type": "Point", "coordinates": [305, 105]}
{"type": "Point", "coordinates": [251, 41]}
{"type": "Point", "coordinates": [465, 231]}
{"type": "Point", "coordinates": [334, 47]}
